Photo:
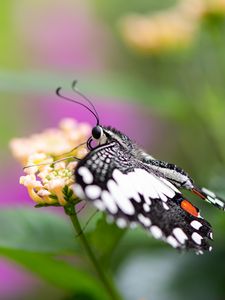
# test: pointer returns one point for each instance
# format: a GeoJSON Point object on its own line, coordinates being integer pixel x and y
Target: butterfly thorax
{"type": "Point", "coordinates": [171, 172]}
{"type": "Point", "coordinates": [114, 135]}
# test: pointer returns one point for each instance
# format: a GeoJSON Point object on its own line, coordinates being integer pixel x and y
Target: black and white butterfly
{"type": "Point", "coordinates": [134, 188]}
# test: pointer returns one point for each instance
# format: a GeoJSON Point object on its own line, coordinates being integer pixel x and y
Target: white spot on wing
{"type": "Point", "coordinates": [109, 202]}
{"type": "Point", "coordinates": [146, 207]}
{"type": "Point", "coordinates": [219, 202]}
{"type": "Point", "coordinates": [208, 192]}
{"type": "Point", "coordinates": [122, 201]}
{"type": "Point", "coordinates": [196, 225]}
{"type": "Point", "coordinates": [77, 189]}
{"type": "Point", "coordinates": [170, 185]}
{"type": "Point", "coordinates": [211, 199]}
{"type": "Point", "coordinates": [162, 197]}
{"type": "Point", "coordinates": [197, 238]}
{"type": "Point", "coordinates": [93, 191]}
{"type": "Point", "coordinates": [180, 235]}
{"type": "Point", "coordinates": [99, 204]}
{"type": "Point", "coordinates": [162, 187]}
{"type": "Point", "coordinates": [139, 182]}
{"type": "Point", "coordinates": [165, 206]}
{"type": "Point", "coordinates": [86, 175]}
{"type": "Point", "coordinates": [156, 232]}
{"type": "Point", "coordinates": [121, 223]}
{"type": "Point", "coordinates": [172, 241]}
{"type": "Point", "coordinates": [133, 225]}
{"type": "Point", "coordinates": [125, 185]}
{"type": "Point", "coordinates": [144, 220]}
{"type": "Point", "coordinates": [145, 186]}
{"type": "Point", "coordinates": [142, 182]}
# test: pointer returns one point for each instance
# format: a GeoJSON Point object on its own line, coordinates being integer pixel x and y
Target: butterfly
{"type": "Point", "coordinates": [134, 188]}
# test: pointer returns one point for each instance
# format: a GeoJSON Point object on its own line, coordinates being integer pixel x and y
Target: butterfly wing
{"type": "Point", "coordinates": [209, 196]}
{"type": "Point", "coordinates": [116, 182]}
{"type": "Point", "coordinates": [181, 179]}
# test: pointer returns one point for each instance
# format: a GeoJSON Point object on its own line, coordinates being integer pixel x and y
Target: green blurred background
{"type": "Point", "coordinates": [154, 69]}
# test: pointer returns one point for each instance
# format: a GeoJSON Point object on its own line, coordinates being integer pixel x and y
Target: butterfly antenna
{"type": "Point", "coordinates": [51, 163]}
{"type": "Point", "coordinates": [82, 144]}
{"type": "Point", "coordinates": [58, 160]}
{"type": "Point", "coordinates": [75, 89]}
{"type": "Point", "coordinates": [60, 95]}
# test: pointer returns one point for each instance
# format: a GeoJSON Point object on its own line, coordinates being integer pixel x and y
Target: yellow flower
{"type": "Point", "coordinates": [159, 32]}
{"type": "Point", "coordinates": [193, 10]}
{"type": "Point", "coordinates": [169, 29]}
{"type": "Point", "coordinates": [215, 7]}
{"type": "Point", "coordinates": [50, 182]}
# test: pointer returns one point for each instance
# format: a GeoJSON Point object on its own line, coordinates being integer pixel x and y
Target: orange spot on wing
{"type": "Point", "coordinates": [188, 207]}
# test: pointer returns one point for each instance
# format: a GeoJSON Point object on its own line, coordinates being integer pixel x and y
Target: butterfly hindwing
{"type": "Point", "coordinates": [181, 179]}
{"type": "Point", "coordinates": [116, 182]}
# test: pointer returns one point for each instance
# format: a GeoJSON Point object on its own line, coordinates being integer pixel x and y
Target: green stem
{"type": "Point", "coordinates": [113, 294]}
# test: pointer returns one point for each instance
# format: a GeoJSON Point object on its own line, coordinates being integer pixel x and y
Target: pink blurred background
{"type": "Point", "coordinates": [64, 37]}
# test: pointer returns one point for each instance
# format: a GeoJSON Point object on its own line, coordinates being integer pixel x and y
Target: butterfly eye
{"type": "Point", "coordinates": [97, 132]}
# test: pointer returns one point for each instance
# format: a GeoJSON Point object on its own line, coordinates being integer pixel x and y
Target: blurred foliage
{"type": "Point", "coordinates": [185, 89]}
{"type": "Point", "coordinates": [45, 244]}
{"type": "Point", "coordinates": [35, 231]}
{"type": "Point", "coordinates": [58, 272]}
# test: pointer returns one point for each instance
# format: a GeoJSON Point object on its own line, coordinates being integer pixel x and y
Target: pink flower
{"type": "Point", "coordinates": [61, 35]}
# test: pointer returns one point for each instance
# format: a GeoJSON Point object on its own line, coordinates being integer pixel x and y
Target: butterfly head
{"type": "Point", "coordinates": [104, 135]}
{"type": "Point", "coordinates": [97, 132]}
{"type": "Point", "coordinates": [99, 135]}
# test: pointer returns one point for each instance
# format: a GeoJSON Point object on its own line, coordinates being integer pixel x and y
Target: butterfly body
{"type": "Point", "coordinates": [131, 186]}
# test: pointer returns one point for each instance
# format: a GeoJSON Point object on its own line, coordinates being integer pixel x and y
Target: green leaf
{"type": "Point", "coordinates": [110, 234]}
{"type": "Point", "coordinates": [58, 272]}
{"type": "Point", "coordinates": [36, 230]}
{"type": "Point", "coordinates": [133, 241]}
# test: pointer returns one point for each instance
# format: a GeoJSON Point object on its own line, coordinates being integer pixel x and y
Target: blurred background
{"type": "Point", "coordinates": [155, 70]}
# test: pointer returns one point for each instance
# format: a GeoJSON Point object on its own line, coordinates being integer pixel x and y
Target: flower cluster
{"type": "Point", "coordinates": [215, 7]}
{"type": "Point", "coordinates": [170, 29]}
{"type": "Point", "coordinates": [49, 157]}
{"type": "Point", "coordinates": [157, 33]}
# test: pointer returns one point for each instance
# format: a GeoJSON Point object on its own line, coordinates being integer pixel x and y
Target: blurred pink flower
{"type": "Point", "coordinates": [62, 35]}
{"type": "Point", "coordinates": [14, 281]}
{"type": "Point", "coordinates": [127, 117]}
{"type": "Point", "coordinates": [12, 193]}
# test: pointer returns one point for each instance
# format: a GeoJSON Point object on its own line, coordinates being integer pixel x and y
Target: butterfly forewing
{"type": "Point", "coordinates": [127, 189]}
